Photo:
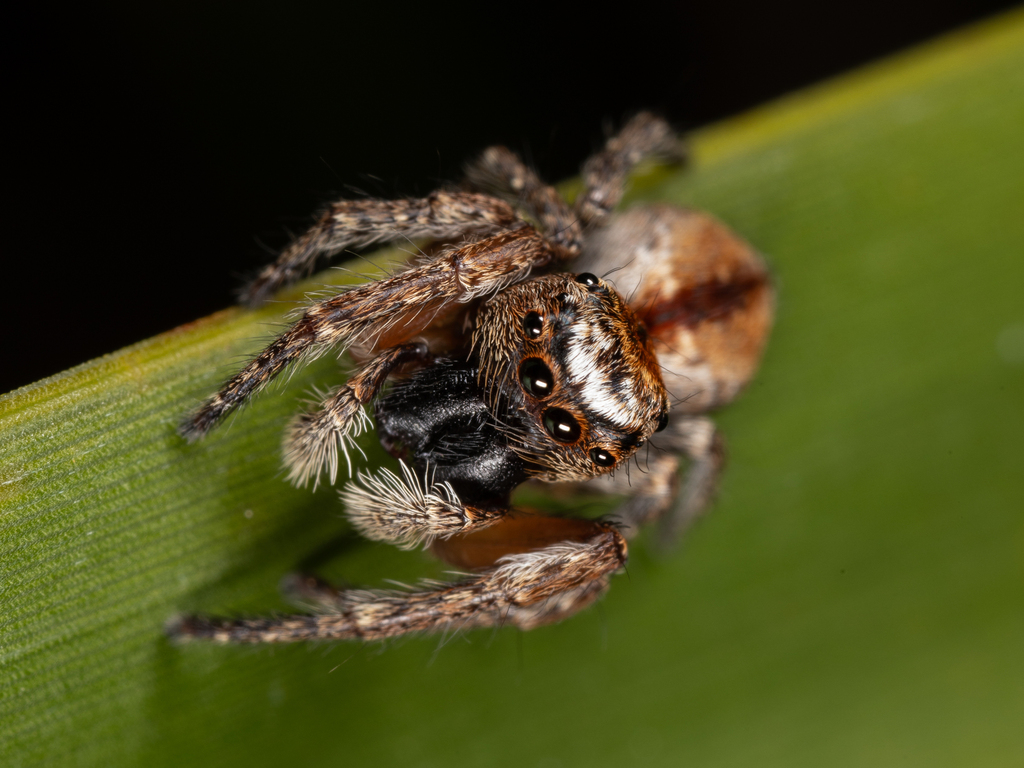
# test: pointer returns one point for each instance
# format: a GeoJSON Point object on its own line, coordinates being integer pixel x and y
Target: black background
{"type": "Point", "coordinates": [160, 154]}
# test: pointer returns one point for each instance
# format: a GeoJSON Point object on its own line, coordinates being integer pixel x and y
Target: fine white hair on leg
{"type": "Point", "coordinates": [405, 511]}
{"type": "Point", "coordinates": [313, 441]}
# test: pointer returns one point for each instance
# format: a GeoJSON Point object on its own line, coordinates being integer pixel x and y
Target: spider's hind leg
{"type": "Point", "coordinates": [660, 497]}
{"type": "Point", "coordinates": [501, 172]}
{"type": "Point", "coordinates": [698, 438]}
{"type": "Point", "coordinates": [605, 173]}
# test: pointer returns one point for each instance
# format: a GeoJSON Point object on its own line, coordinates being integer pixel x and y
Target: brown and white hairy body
{"type": "Point", "coordinates": [510, 360]}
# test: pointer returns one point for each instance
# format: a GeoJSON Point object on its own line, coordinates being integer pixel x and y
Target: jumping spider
{"type": "Point", "coordinates": [508, 369]}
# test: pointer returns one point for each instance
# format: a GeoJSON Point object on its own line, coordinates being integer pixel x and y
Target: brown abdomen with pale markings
{"type": "Point", "coordinates": [704, 295]}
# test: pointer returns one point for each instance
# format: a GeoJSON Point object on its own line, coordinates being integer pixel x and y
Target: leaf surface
{"type": "Point", "coordinates": [854, 600]}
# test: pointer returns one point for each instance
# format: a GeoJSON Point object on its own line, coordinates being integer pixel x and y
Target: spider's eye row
{"type": "Point", "coordinates": [663, 421]}
{"type": "Point", "coordinates": [536, 378]}
{"type": "Point", "coordinates": [601, 457]}
{"type": "Point", "coordinates": [533, 325]}
{"type": "Point", "coordinates": [589, 280]}
{"type": "Point", "coordinates": [561, 425]}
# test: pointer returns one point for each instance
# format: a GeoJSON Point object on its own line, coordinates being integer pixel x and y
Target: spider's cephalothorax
{"type": "Point", "coordinates": [565, 359]}
{"type": "Point", "coordinates": [517, 362]}
{"type": "Point", "coordinates": [560, 384]}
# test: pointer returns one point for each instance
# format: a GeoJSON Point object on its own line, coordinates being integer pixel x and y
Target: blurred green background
{"type": "Point", "coordinates": [856, 598]}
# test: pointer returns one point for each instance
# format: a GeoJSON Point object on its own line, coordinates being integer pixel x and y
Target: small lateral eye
{"type": "Point", "coordinates": [536, 378]}
{"type": "Point", "coordinates": [561, 425]}
{"type": "Point", "coordinates": [589, 280]}
{"type": "Point", "coordinates": [601, 457]}
{"type": "Point", "coordinates": [629, 442]}
{"type": "Point", "coordinates": [663, 421]}
{"type": "Point", "coordinates": [533, 325]}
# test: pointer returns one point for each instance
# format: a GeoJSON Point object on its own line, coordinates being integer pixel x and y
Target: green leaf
{"type": "Point", "coordinates": [855, 598]}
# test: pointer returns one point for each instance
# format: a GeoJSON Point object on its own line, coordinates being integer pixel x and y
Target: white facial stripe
{"type": "Point", "coordinates": [596, 388]}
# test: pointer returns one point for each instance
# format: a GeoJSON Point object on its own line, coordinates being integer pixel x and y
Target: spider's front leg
{"type": "Point", "coordinates": [519, 585]}
{"type": "Point", "coordinates": [405, 512]}
{"type": "Point", "coordinates": [384, 313]}
{"type": "Point", "coordinates": [312, 441]}
{"type": "Point", "coordinates": [440, 215]}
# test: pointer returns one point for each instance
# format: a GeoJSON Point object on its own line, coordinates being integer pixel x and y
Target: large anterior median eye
{"type": "Point", "coordinates": [561, 425]}
{"type": "Point", "coordinates": [536, 378]}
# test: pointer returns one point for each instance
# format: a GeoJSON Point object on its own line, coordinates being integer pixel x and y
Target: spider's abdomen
{"type": "Point", "coordinates": [704, 295]}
